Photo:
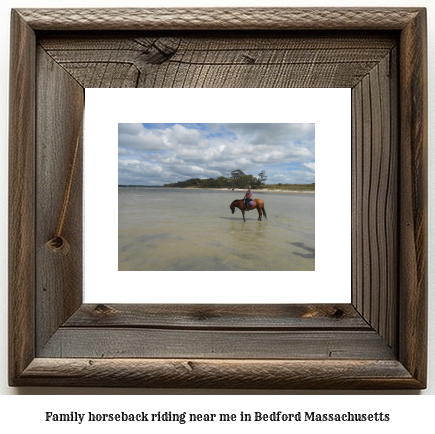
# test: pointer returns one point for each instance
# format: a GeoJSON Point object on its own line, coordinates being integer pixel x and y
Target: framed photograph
{"type": "Point", "coordinates": [183, 232]}
{"type": "Point", "coordinates": [377, 341]}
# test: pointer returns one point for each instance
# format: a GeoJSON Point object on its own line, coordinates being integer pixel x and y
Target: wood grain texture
{"type": "Point", "coordinates": [229, 374]}
{"type": "Point", "coordinates": [234, 60]}
{"type": "Point", "coordinates": [378, 342]}
{"type": "Point", "coordinates": [413, 188]}
{"type": "Point", "coordinates": [21, 197]}
{"type": "Point", "coordinates": [60, 105]}
{"type": "Point", "coordinates": [95, 342]}
{"type": "Point", "coordinates": [220, 18]}
{"type": "Point", "coordinates": [220, 317]}
{"type": "Point", "coordinates": [375, 198]}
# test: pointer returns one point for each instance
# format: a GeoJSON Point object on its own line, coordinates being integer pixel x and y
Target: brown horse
{"type": "Point", "coordinates": [258, 204]}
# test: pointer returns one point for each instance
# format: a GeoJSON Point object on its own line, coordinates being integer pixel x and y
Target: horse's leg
{"type": "Point", "coordinates": [259, 214]}
{"type": "Point", "coordinates": [243, 213]}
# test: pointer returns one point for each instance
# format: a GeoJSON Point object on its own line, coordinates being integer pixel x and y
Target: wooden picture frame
{"type": "Point", "coordinates": [376, 342]}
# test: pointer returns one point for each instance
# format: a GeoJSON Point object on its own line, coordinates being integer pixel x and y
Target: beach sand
{"type": "Point", "coordinates": [265, 190]}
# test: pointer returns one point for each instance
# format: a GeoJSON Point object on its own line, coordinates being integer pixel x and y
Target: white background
{"type": "Point", "coordinates": [410, 412]}
{"type": "Point", "coordinates": [329, 109]}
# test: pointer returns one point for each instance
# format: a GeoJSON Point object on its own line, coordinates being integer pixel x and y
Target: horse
{"type": "Point", "coordinates": [258, 205]}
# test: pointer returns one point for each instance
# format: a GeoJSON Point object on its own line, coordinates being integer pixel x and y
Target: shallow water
{"type": "Point", "coordinates": [163, 229]}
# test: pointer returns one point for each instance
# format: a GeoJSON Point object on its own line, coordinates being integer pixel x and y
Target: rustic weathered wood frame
{"type": "Point", "coordinates": [377, 341]}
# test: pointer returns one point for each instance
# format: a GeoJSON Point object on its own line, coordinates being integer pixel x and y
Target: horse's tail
{"type": "Point", "coordinates": [264, 212]}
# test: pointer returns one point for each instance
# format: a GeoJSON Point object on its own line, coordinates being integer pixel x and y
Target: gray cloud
{"type": "Point", "coordinates": [157, 154]}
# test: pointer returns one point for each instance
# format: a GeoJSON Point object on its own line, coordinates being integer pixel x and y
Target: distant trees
{"type": "Point", "coordinates": [240, 180]}
{"type": "Point", "coordinates": [236, 174]}
{"type": "Point", "coordinates": [262, 177]}
{"type": "Point", "coordinates": [237, 180]}
{"type": "Point", "coordinates": [222, 182]}
{"type": "Point", "coordinates": [194, 182]}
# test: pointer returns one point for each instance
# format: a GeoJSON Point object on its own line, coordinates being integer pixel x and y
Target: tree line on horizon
{"type": "Point", "coordinates": [238, 179]}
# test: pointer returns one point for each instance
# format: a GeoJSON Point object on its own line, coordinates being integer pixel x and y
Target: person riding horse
{"type": "Point", "coordinates": [248, 198]}
{"type": "Point", "coordinates": [240, 203]}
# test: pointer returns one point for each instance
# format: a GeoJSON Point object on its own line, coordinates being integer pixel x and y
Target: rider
{"type": "Point", "coordinates": [248, 198]}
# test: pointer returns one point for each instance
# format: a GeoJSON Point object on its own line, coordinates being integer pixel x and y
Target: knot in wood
{"type": "Point", "coordinates": [249, 59]}
{"type": "Point", "coordinates": [338, 313]}
{"type": "Point", "coordinates": [103, 309]}
{"type": "Point", "coordinates": [58, 244]}
{"type": "Point", "coordinates": [158, 52]}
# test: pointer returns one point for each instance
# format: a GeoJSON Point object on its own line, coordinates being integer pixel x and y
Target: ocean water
{"type": "Point", "coordinates": [164, 229]}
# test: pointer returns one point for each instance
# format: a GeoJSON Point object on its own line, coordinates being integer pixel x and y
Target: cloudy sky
{"type": "Point", "coordinates": [157, 154]}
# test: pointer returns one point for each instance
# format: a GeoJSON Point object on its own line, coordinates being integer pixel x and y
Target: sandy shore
{"type": "Point", "coordinates": [265, 190]}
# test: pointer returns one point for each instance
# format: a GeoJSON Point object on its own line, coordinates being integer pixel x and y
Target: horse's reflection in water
{"type": "Point", "coordinates": [247, 236]}
{"type": "Point", "coordinates": [258, 205]}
